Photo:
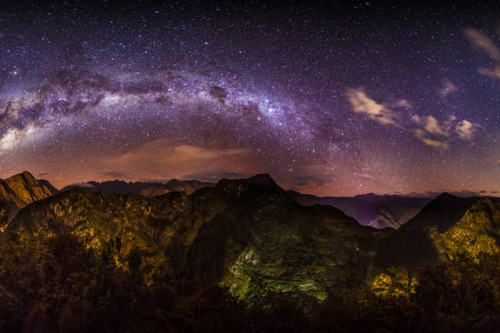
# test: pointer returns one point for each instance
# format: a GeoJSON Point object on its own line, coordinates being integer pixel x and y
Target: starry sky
{"type": "Point", "coordinates": [330, 98]}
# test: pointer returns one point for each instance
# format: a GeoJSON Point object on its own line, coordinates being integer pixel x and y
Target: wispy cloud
{"type": "Point", "coordinates": [403, 103]}
{"type": "Point", "coordinates": [422, 136]}
{"type": "Point", "coordinates": [216, 175]}
{"type": "Point", "coordinates": [484, 43]}
{"type": "Point", "coordinates": [160, 159]}
{"type": "Point", "coordinates": [491, 73]}
{"type": "Point", "coordinates": [431, 125]}
{"type": "Point", "coordinates": [364, 105]}
{"type": "Point", "coordinates": [429, 129]}
{"type": "Point", "coordinates": [462, 193]}
{"type": "Point", "coordinates": [465, 129]}
{"type": "Point", "coordinates": [438, 134]}
{"type": "Point", "coordinates": [447, 88]}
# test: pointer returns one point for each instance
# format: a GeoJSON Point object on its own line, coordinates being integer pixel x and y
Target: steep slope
{"type": "Point", "coordinates": [444, 229]}
{"type": "Point", "coordinates": [446, 226]}
{"type": "Point", "coordinates": [4, 216]}
{"type": "Point", "coordinates": [124, 226]}
{"type": "Point", "coordinates": [477, 230]}
{"type": "Point", "coordinates": [245, 234]}
{"type": "Point", "coordinates": [265, 242]}
{"type": "Point", "coordinates": [22, 189]}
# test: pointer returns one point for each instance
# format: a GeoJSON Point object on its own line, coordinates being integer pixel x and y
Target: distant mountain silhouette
{"type": "Point", "coordinates": [378, 211]}
{"type": "Point", "coordinates": [141, 188]}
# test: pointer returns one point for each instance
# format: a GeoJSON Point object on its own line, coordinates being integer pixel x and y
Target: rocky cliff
{"type": "Point", "coordinates": [22, 189]}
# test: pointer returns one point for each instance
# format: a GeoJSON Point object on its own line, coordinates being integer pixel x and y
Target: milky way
{"type": "Point", "coordinates": [329, 98]}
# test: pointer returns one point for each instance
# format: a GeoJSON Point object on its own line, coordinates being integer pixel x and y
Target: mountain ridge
{"type": "Point", "coordinates": [22, 189]}
{"type": "Point", "coordinates": [378, 211]}
{"type": "Point", "coordinates": [207, 235]}
{"type": "Point", "coordinates": [248, 238]}
{"type": "Point", "coordinates": [444, 228]}
{"type": "Point", "coordinates": [147, 189]}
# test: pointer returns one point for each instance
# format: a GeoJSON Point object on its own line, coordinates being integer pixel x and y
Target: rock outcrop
{"type": "Point", "coordinates": [22, 189]}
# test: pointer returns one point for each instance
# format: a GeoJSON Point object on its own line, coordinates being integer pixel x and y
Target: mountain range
{"type": "Point", "coordinates": [262, 222]}
{"type": "Point", "coordinates": [252, 237]}
{"type": "Point", "coordinates": [230, 233]}
{"type": "Point", "coordinates": [377, 211]}
{"type": "Point", "coordinates": [147, 189]}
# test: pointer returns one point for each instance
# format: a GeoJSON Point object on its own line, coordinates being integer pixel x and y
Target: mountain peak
{"type": "Point", "coordinates": [22, 189]}
{"type": "Point", "coordinates": [445, 196]}
{"type": "Point", "coordinates": [260, 183]}
{"type": "Point", "coordinates": [25, 175]}
{"type": "Point", "coordinates": [262, 179]}
{"type": "Point", "coordinates": [444, 211]}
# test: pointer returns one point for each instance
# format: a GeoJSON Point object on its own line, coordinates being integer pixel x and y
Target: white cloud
{"type": "Point", "coordinates": [491, 73]}
{"type": "Point", "coordinates": [438, 144]}
{"type": "Point", "coordinates": [482, 42]}
{"type": "Point", "coordinates": [429, 129]}
{"type": "Point", "coordinates": [485, 44]}
{"type": "Point", "coordinates": [363, 104]}
{"type": "Point", "coordinates": [431, 125]}
{"type": "Point", "coordinates": [435, 143]}
{"type": "Point", "coordinates": [465, 129]}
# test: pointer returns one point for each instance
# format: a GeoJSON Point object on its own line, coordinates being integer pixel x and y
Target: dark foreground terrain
{"type": "Point", "coordinates": [242, 255]}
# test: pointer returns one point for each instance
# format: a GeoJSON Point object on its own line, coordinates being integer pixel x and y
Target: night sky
{"type": "Point", "coordinates": [330, 98]}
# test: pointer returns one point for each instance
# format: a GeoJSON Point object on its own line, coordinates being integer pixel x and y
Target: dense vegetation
{"type": "Point", "coordinates": [241, 256]}
{"type": "Point", "coordinates": [55, 281]}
